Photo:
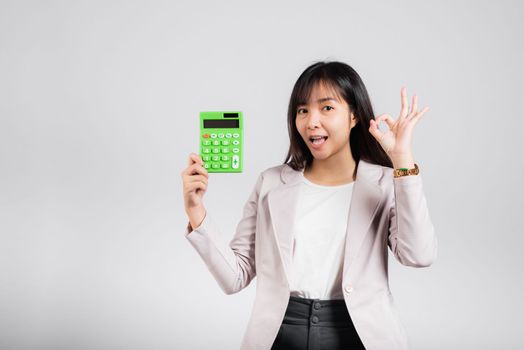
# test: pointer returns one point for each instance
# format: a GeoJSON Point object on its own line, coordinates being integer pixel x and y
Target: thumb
{"type": "Point", "coordinates": [373, 129]}
{"type": "Point", "coordinates": [194, 158]}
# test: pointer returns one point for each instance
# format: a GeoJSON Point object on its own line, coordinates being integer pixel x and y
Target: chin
{"type": "Point", "coordinates": [320, 155]}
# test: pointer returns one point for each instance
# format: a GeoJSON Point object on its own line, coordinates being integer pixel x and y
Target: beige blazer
{"type": "Point", "coordinates": [384, 212]}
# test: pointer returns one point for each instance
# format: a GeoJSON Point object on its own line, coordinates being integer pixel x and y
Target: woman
{"type": "Point", "coordinates": [316, 229]}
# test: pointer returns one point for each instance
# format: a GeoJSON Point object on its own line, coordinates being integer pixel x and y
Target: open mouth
{"type": "Point", "coordinates": [318, 140]}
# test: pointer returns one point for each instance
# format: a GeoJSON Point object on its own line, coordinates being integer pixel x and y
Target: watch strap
{"type": "Point", "coordinates": [405, 171]}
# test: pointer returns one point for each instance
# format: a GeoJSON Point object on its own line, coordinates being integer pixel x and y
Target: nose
{"type": "Point", "coordinates": [313, 120]}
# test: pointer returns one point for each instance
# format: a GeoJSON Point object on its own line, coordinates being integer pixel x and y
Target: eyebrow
{"type": "Point", "coordinates": [320, 100]}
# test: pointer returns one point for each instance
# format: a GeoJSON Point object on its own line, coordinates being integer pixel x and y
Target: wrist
{"type": "Point", "coordinates": [196, 216]}
{"type": "Point", "coordinates": [403, 160]}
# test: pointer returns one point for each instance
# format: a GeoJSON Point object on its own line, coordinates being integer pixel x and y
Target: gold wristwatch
{"type": "Point", "coordinates": [405, 171]}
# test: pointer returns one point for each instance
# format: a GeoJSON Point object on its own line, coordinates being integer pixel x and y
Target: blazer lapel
{"type": "Point", "coordinates": [282, 203]}
{"type": "Point", "coordinates": [365, 201]}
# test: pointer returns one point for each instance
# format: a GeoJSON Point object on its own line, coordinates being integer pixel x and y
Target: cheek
{"type": "Point", "coordinates": [344, 123]}
{"type": "Point", "coordinates": [341, 128]}
{"type": "Point", "coordinates": [299, 125]}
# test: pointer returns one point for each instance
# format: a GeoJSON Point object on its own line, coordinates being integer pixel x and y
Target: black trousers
{"type": "Point", "coordinates": [314, 324]}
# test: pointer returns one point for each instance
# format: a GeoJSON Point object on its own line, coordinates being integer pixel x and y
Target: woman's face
{"type": "Point", "coordinates": [328, 115]}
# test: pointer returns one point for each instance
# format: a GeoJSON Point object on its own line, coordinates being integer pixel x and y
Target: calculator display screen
{"type": "Point", "coordinates": [219, 123]}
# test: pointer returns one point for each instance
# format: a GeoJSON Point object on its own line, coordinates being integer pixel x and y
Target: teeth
{"type": "Point", "coordinates": [320, 140]}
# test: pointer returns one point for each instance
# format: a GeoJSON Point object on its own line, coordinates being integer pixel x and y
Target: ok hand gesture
{"type": "Point", "coordinates": [397, 140]}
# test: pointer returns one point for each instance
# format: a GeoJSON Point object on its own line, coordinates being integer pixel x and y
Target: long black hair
{"type": "Point", "coordinates": [348, 84]}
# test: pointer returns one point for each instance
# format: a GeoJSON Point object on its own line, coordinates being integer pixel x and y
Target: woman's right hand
{"type": "Point", "coordinates": [194, 179]}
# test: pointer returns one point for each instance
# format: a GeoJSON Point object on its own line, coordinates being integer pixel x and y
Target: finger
{"type": "Point", "coordinates": [199, 159]}
{"type": "Point", "coordinates": [404, 102]}
{"type": "Point", "coordinates": [198, 169]}
{"type": "Point", "coordinates": [195, 186]}
{"type": "Point", "coordinates": [388, 120]}
{"type": "Point", "coordinates": [421, 113]}
{"type": "Point", "coordinates": [414, 105]}
{"type": "Point", "coordinates": [195, 168]}
{"type": "Point", "coordinates": [194, 158]}
{"type": "Point", "coordinates": [198, 180]}
{"type": "Point", "coordinates": [190, 159]}
{"type": "Point", "coordinates": [373, 129]}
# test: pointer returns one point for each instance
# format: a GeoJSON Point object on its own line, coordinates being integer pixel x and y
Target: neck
{"type": "Point", "coordinates": [335, 170]}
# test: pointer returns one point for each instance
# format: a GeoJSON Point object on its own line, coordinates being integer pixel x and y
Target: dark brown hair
{"type": "Point", "coordinates": [348, 85]}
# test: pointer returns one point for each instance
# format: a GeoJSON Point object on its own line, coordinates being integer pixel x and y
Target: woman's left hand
{"type": "Point", "coordinates": [397, 140]}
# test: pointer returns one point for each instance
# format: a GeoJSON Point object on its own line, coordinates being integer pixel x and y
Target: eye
{"type": "Point", "coordinates": [299, 111]}
{"type": "Point", "coordinates": [330, 108]}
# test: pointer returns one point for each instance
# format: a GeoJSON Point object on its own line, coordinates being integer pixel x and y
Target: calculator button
{"type": "Point", "coordinates": [206, 150]}
{"type": "Point", "coordinates": [228, 135]}
{"type": "Point", "coordinates": [205, 136]}
{"type": "Point", "coordinates": [221, 136]}
{"type": "Point", "coordinates": [225, 150]}
{"type": "Point", "coordinates": [206, 142]}
{"type": "Point", "coordinates": [206, 165]}
{"type": "Point", "coordinates": [236, 162]}
{"type": "Point", "coordinates": [213, 136]}
{"type": "Point", "coordinates": [215, 166]}
{"type": "Point", "coordinates": [225, 142]}
{"type": "Point", "coordinates": [216, 158]}
{"type": "Point", "coordinates": [225, 157]}
{"type": "Point", "coordinates": [225, 165]}
{"type": "Point", "coordinates": [206, 158]}
{"type": "Point", "coordinates": [216, 142]}
{"type": "Point", "coordinates": [236, 142]}
{"type": "Point", "coordinates": [235, 135]}
{"type": "Point", "coordinates": [216, 150]}
{"type": "Point", "coordinates": [236, 150]}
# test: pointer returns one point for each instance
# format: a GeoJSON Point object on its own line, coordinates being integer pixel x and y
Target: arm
{"type": "Point", "coordinates": [233, 264]}
{"type": "Point", "coordinates": [411, 233]}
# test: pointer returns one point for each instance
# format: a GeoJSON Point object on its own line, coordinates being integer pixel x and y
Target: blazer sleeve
{"type": "Point", "coordinates": [411, 233]}
{"type": "Point", "coordinates": [231, 264]}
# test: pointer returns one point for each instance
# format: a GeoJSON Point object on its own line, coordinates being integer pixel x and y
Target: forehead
{"type": "Point", "coordinates": [318, 91]}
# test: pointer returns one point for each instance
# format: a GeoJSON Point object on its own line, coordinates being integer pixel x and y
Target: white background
{"type": "Point", "coordinates": [99, 104]}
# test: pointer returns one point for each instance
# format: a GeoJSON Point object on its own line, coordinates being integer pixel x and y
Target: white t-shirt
{"type": "Point", "coordinates": [319, 239]}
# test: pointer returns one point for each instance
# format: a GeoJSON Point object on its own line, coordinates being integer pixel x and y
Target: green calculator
{"type": "Point", "coordinates": [221, 135]}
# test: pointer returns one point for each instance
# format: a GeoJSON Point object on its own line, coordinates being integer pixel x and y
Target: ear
{"type": "Point", "coordinates": [352, 121]}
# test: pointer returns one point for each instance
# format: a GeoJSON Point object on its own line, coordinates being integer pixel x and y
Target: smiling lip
{"type": "Point", "coordinates": [317, 146]}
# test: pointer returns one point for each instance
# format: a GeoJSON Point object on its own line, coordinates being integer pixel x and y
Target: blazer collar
{"type": "Point", "coordinates": [365, 200]}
